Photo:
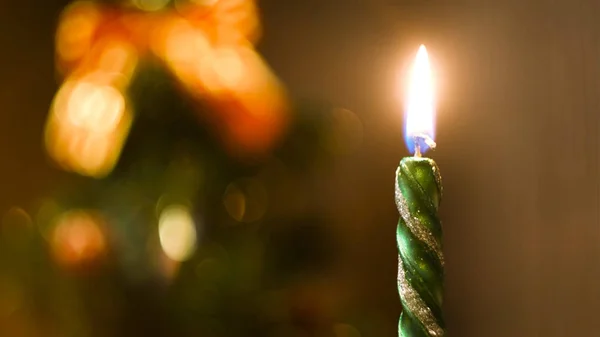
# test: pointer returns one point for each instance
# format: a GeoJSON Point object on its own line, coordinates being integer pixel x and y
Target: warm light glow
{"type": "Point", "coordinates": [229, 67]}
{"type": "Point", "coordinates": [208, 45]}
{"type": "Point", "coordinates": [87, 127]}
{"type": "Point", "coordinates": [76, 30]}
{"type": "Point", "coordinates": [420, 110]}
{"type": "Point", "coordinates": [117, 62]}
{"type": "Point", "coordinates": [77, 238]}
{"type": "Point", "coordinates": [90, 118]}
{"type": "Point", "coordinates": [95, 107]}
{"type": "Point", "coordinates": [177, 233]}
{"type": "Point", "coordinates": [183, 44]}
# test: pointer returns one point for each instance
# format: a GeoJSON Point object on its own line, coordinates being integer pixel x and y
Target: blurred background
{"type": "Point", "coordinates": [195, 208]}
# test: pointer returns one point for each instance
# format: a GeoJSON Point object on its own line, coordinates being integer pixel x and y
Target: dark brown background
{"type": "Point", "coordinates": [518, 143]}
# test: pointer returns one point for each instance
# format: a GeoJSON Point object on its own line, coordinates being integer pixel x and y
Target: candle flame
{"type": "Point", "coordinates": [420, 111]}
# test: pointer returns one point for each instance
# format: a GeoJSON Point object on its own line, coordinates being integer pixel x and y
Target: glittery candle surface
{"type": "Point", "coordinates": [420, 255]}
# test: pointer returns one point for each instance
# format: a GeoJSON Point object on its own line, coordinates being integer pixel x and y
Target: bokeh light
{"type": "Point", "coordinates": [203, 66]}
{"type": "Point", "coordinates": [203, 2]}
{"type": "Point", "coordinates": [89, 119]}
{"type": "Point", "coordinates": [116, 62]}
{"type": "Point", "coordinates": [252, 102]}
{"type": "Point", "coordinates": [346, 132]}
{"type": "Point", "coordinates": [218, 64]}
{"type": "Point", "coordinates": [185, 49]}
{"type": "Point", "coordinates": [76, 30]}
{"type": "Point", "coordinates": [87, 127]}
{"type": "Point", "coordinates": [95, 107]}
{"type": "Point", "coordinates": [150, 5]}
{"type": "Point", "coordinates": [228, 67]}
{"type": "Point", "coordinates": [207, 45]}
{"type": "Point", "coordinates": [234, 201]}
{"type": "Point", "coordinates": [177, 232]}
{"type": "Point", "coordinates": [16, 220]}
{"type": "Point", "coordinates": [235, 21]}
{"type": "Point", "coordinates": [345, 330]}
{"type": "Point", "coordinates": [246, 200]}
{"type": "Point", "coordinates": [47, 211]}
{"type": "Point", "coordinates": [78, 238]}
{"type": "Point", "coordinates": [210, 270]}
{"type": "Point", "coordinates": [16, 228]}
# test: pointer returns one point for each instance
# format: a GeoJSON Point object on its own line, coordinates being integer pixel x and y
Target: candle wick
{"type": "Point", "coordinates": [421, 137]}
{"type": "Point", "coordinates": [417, 148]}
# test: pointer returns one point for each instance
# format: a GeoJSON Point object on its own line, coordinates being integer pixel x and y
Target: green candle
{"type": "Point", "coordinates": [419, 232]}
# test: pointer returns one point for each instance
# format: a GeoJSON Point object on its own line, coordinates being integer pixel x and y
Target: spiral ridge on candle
{"type": "Point", "coordinates": [416, 228]}
{"type": "Point", "coordinates": [418, 192]}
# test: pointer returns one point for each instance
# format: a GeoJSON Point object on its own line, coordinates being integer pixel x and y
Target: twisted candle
{"type": "Point", "coordinates": [419, 237]}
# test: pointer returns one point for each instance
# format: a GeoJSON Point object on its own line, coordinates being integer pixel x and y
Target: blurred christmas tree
{"type": "Point", "coordinates": [189, 210]}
